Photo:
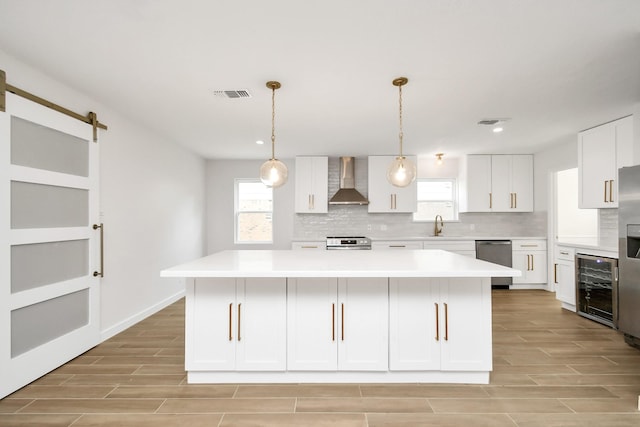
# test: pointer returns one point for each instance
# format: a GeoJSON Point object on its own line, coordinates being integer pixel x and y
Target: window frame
{"type": "Point", "coordinates": [454, 199]}
{"type": "Point", "coordinates": [237, 212]}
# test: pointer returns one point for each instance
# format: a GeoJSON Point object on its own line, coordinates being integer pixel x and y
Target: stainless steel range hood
{"type": "Point", "coordinates": [347, 194]}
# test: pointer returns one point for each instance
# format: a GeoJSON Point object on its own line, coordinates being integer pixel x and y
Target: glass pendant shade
{"type": "Point", "coordinates": [273, 173]}
{"type": "Point", "coordinates": [401, 172]}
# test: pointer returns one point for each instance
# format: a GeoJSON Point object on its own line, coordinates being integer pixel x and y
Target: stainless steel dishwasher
{"type": "Point", "coordinates": [497, 252]}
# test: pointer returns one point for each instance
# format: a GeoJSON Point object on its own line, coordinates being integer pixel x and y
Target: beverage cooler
{"type": "Point", "coordinates": [597, 288]}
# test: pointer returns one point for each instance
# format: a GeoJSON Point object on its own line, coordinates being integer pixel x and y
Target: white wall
{"type": "Point", "coordinates": [562, 155]}
{"type": "Point", "coordinates": [573, 223]}
{"type": "Point", "coordinates": [221, 175]}
{"type": "Point", "coordinates": [151, 200]}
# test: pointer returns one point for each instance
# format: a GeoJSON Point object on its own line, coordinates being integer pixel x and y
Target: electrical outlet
{"type": "Point", "coordinates": [472, 227]}
{"type": "Point", "coordinates": [368, 227]}
{"type": "Point", "coordinates": [383, 227]}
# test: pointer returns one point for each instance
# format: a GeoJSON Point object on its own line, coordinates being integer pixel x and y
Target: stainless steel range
{"type": "Point", "coordinates": [349, 243]}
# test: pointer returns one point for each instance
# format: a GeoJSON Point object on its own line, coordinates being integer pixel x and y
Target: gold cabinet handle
{"type": "Point", "coordinates": [605, 191]}
{"type": "Point", "coordinates": [239, 316]}
{"type": "Point", "coordinates": [515, 200]}
{"type": "Point", "coordinates": [437, 322]}
{"type": "Point", "coordinates": [532, 267]}
{"type": "Point", "coordinates": [511, 200]}
{"type": "Point", "coordinates": [446, 322]}
{"type": "Point", "coordinates": [101, 272]}
{"type": "Point", "coordinates": [309, 202]}
{"type": "Point", "coordinates": [230, 320]}
{"type": "Point", "coordinates": [528, 262]}
{"type": "Point", "coordinates": [555, 273]}
{"type": "Point", "coordinates": [611, 191]}
{"type": "Point", "coordinates": [391, 201]}
{"type": "Point", "coordinates": [309, 246]}
{"type": "Point", "coordinates": [490, 200]}
{"type": "Point", "coordinates": [397, 246]}
{"type": "Point", "coordinates": [342, 323]}
{"type": "Point", "coordinates": [333, 322]}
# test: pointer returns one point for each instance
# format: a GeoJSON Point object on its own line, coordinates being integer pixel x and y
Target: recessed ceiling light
{"type": "Point", "coordinates": [260, 142]}
{"type": "Point", "coordinates": [497, 129]}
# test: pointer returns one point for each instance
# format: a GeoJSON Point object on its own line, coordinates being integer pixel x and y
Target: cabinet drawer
{"type": "Point", "coordinates": [466, 245]}
{"type": "Point", "coordinates": [309, 245]}
{"type": "Point", "coordinates": [563, 252]}
{"type": "Point", "coordinates": [396, 245]}
{"type": "Point", "coordinates": [529, 245]}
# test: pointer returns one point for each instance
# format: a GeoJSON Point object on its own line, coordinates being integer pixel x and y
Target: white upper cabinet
{"type": "Point", "coordinates": [497, 183]}
{"type": "Point", "coordinates": [601, 152]}
{"type": "Point", "coordinates": [512, 183]}
{"type": "Point", "coordinates": [475, 184]}
{"type": "Point", "coordinates": [383, 196]}
{"type": "Point", "coordinates": [312, 182]}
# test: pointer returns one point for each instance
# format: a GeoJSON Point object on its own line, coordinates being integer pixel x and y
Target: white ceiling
{"type": "Point", "coordinates": [553, 67]}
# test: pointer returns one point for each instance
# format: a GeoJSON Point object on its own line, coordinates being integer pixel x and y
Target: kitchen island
{"type": "Point", "coordinates": [338, 316]}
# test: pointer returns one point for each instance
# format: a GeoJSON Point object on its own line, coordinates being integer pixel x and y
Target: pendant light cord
{"type": "Point", "coordinates": [273, 122]}
{"type": "Point", "coordinates": [400, 109]}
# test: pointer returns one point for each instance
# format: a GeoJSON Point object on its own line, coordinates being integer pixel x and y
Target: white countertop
{"type": "Point", "coordinates": [433, 238]}
{"type": "Point", "coordinates": [339, 263]}
{"type": "Point", "coordinates": [585, 246]}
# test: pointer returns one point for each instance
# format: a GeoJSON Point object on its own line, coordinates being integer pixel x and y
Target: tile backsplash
{"type": "Point", "coordinates": [356, 221]}
{"type": "Point", "coordinates": [608, 227]}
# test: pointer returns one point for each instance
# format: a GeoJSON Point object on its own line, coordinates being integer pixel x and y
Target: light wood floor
{"type": "Point", "coordinates": [551, 368]}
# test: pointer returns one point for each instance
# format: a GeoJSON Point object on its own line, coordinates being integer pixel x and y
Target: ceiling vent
{"type": "Point", "coordinates": [488, 122]}
{"type": "Point", "coordinates": [232, 94]}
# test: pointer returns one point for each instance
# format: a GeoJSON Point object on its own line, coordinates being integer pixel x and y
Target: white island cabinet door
{"type": "Point", "coordinates": [414, 338]}
{"type": "Point", "coordinates": [312, 329]}
{"type": "Point", "coordinates": [210, 327]}
{"type": "Point", "coordinates": [363, 323]}
{"type": "Point", "coordinates": [262, 324]}
{"type": "Point", "coordinates": [465, 324]}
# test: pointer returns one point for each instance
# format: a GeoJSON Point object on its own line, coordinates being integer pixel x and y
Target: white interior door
{"type": "Point", "coordinates": [49, 296]}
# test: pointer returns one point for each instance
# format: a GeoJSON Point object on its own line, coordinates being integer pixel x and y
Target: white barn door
{"type": "Point", "coordinates": [49, 250]}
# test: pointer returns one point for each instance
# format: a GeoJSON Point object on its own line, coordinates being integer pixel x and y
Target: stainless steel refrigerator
{"type": "Point", "coordinates": [629, 254]}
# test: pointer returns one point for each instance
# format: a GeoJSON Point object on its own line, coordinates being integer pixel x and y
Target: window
{"type": "Point", "coordinates": [254, 212]}
{"type": "Point", "coordinates": [436, 197]}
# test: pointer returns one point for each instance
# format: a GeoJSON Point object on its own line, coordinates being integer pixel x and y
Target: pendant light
{"type": "Point", "coordinates": [273, 173]}
{"type": "Point", "coordinates": [402, 171]}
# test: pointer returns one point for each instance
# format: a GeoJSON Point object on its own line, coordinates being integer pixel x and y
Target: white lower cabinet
{"type": "Point", "coordinates": [564, 277]}
{"type": "Point", "coordinates": [439, 325]}
{"type": "Point", "coordinates": [337, 324]}
{"type": "Point", "coordinates": [530, 257]}
{"type": "Point", "coordinates": [236, 324]}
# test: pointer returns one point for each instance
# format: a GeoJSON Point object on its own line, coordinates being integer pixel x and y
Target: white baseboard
{"type": "Point", "coordinates": [127, 323]}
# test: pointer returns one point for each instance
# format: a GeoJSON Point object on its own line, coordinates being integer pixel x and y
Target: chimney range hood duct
{"type": "Point", "coordinates": [347, 194]}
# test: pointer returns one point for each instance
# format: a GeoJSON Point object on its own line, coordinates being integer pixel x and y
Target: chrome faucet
{"type": "Point", "coordinates": [437, 230]}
